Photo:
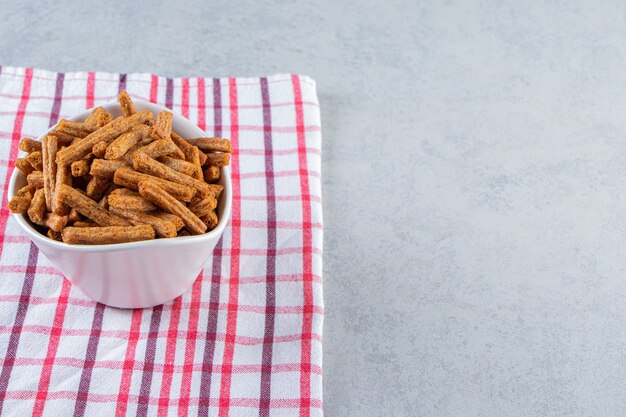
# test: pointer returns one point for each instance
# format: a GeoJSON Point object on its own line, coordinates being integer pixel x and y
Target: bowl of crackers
{"type": "Point", "coordinates": [128, 200]}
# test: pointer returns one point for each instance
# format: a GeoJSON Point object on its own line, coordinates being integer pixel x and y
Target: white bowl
{"type": "Point", "coordinates": [136, 274]}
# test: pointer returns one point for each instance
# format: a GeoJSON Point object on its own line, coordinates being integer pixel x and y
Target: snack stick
{"type": "Point", "coordinates": [23, 165]}
{"type": "Point", "coordinates": [89, 208]}
{"type": "Point", "coordinates": [150, 191]}
{"type": "Point", "coordinates": [125, 141]}
{"type": "Point", "coordinates": [104, 202]}
{"type": "Point", "coordinates": [80, 168]}
{"type": "Point", "coordinates": [183, 145]}
{"type": "Point", "coordinates": [130, 202]}
{"type": "Point", "coordinates": [74, 216]}
{"type": "Point", "coordinates": [97, 186]}
{"type": "Point", "coordinates": [210, 220]}
{"type": "Point", "coordinates": [107, 235]}
{"type": "Point", "coordinates": [212, 144]}
{"type": "Point", "coordinates": [218, 159]}
{"type": "Point", "coordinates": [178, 222]}
{"type": "Point", "coordinates": [124, 191]}
{"type": "Point", "coordinates": [78, 129]}
{"type": "Point", "coordinates": [55, 221]}
{"type": "Point", "coordinates": [30, 145]}
{"type": "Point", "coordinates": [105, 168]}
{"type": "Point", "coordinates": [128, 108]}
{"type": "Point", "coordinates": [49, 151]}
{"type": "Point", "coordinates": [195, 159]}
{"type": "Point", "coordinates": [27, 191]}
{"type": "Point", "coordinates": [182, 166]}
{"type": "Point", "coordinates": [37, 209]}
{"type": "Point", "coordinates": [19, 205]}
{"type": "Point", "coordinates": [35, 179]}
{"type": "Point", "coordinates": [155, 150]}
{"type": "Point", "coordinates": [85, 223]}
{"type": "Point", "coordinates": [63, 177]}
{"type": "Point", "coordinates": [99, 149]}
{"type": "Point", "coordinates": [145, 164]}
{"type": "Point", "coordinates": [163, 125]}
{"type": "Point", "coordinates": [204, 206]}
{"type": "Point", "coordinates": [98, 118]}
{"type": "Point", "coordinates": [212, 174]}
{"type": "Point", "coordinates": [107, 134]}
{"type": "Point", "coordinates": [35, 159]}
{"type": "Point", "coordinates": [54, 235]}
{"type": "Point", "coordinates": [130, 178]}
{"type": "Point", "coordinates": [163, 228]}
{"type": "Point", "coordinates": [202, 158]}
{"type": "Point", "coordinates": [65, 139]}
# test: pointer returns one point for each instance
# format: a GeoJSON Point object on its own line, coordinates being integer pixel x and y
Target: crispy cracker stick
{"type": "Point", "coordinates": [85, 223]}
{"type": "Point", "coordinates": [210, 220]}
{"type": "Point", "coordinates": [97, 186]}
{"type": "Point", "coordinates": [128, 177]}
{"type": "Point", "coordinates": [27, 191]}
{"type": "Point", "coordinates": [212, 144]}
{"type": "Point", "coordinates": [125, 141]}
{"type": "Point", "coordinates": [107, 134]}
{"type": "Point", "coordinates": [23, 165]}
{"type": "Point", "coordinates": [55, 221]}
{"type": "Point", "coordinates": [178, 222]}
{"type": "Point", "coordinates": [35, 159]}
{"type": "Point", "coordinates": [36, 210]}
{"type": "Point", "coordinates": [53, 235]}
{"type": "Point", "coordinates": [99, 149]}
{"type": "Point", "coordinates": [104, 168]}
{"type": "Point", "coordinates": [65, 139]}
{"type": "Point", "coordinates": [80, 168]}
{"type": "Point", "coordinates": [145, 164]}
{"type": "Point", "coordinates": [128, 108]}
{"type": "Point", "coordinates": [183, 145]}
{"type": "Point", "coordinates": [49, 151]}
{"type": "Point", "coordinates": [195, 159]}
{"type": "Point", "coordinates": [155, 149]}
{"type": "Point", "coordinates": [63, 177]}
{"type": "Point", "coordinates": [19, 205]}
{"type": "Point", "coordinates": [218, 159]}
{"type": "Point", "coordinates": [212, 174]}
{"type": "Point", "coordinates": [107, 235]}
{"type": "Point", "coordinates": [98, 118]}
{"type": "Point", "coordinates": [130, 202]}
{"type": "Point", "coordinates": [150, 191]}
{"type": "Point", "coordinates": [74, 216]}
{"type": "Point", "coordinates": [30, 145]}
{"type": "Point", "coordinates": [203, 207]}
{"type": "Point", "coordinates": [89, 208]}
{"type": "Point", "coordinates": [182, 166]}
{"type": "Point", "coordinates": [35, 179]}
{"type": "Point", "coordinates": [72, 128]}
{"type": "Point", "coordinates": [162, 125]}
{"type": "Point", "coordinates": [163, 228]}
{"type": "Point", "coordinates": [125, 191]}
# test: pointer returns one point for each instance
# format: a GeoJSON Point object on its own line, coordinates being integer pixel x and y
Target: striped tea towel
{"type": "Point", "coordinates": [246, 339]}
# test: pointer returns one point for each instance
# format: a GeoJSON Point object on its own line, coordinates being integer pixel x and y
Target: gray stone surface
{"type": "Point", "coordinates": [474, 182]}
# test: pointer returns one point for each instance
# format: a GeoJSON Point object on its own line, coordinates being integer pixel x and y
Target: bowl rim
{"type": "Point", "coordinates": [175, 241]}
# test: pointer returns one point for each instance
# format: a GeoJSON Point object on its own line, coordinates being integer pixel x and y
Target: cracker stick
{"type": "Point", "coordinates": [130, 202]}
{"type": "Point", "coordinates": [145, 164]}
{"type": "Point", "coordinates": [107, 235]}
{"type": "Point", "coordinates": [203, 207]}
{"type": "Point", "coordinates": [125, 191]}
{"type": "Point", "coordinates": [54, 235]}
{"type": "Point", "coordinates": [124, 142]}
{"type": "Point", "coordinates": [150, 191]}
{"type": "Point", "coordinates": [74, 216]}
{"type": "Point", "coordinates": [212, 174]}
{"type": "Point", "coordinates": [104, 168]}
{"type": "Point", "coordinates": [183, 145]}
{"type": "Point", "coordinates": [19, 205]}
{"type": "Point", "coordinates": [210, 220]}
{"type": "Point", "coordinates": [80, 168]}
{"type": "Point", "coordinates": [65, 140]}
{"type": "Point", "coordinates": [218, 159]}
{"type": "Point", "coordinates": [30, 145]}
{"type": "Point", "coordinates": [23, 165]}
{"type": "Point", "coordinates": [27, 191]}
{"type": "Point", "coordinates": [162, 227]}
{"type": "Point", "coordinates": [49, 152]}
{"type": "Point", "coordinates": [78, 129]}
{"type": "Point", "coordinates": [35, 179]}
{"type": "Point", "coordinates": [178, 222]}
{"type": "Point", "coordinates": [63, 177]}
{"type": "Point", "coordinates": [162, 125]}
{"type": "Point", "coordinates": [195, 159]}
{"type": "Point", "coordinates": [85, 223]}
{"type": "Point", "coordinates": [99, 149]}
{"type": "Point", "coordinates": [97, 186]}
{"type": "Point", "coordinates": [98, 118]}
{"type": "Point", "coordinates": [212, 144]}
{"type": "Point", "coordinates": [89, 208]}
{"type": "Point", "coordinates": [55, 221]}
{"type": "Point", "coordinates": [107, 134]}
{"type": "Point", "coordinates": [155, 150]}
{"type": "Point", "coordinates": [128, 177]}
{"type": "Point", "coordinates": [35, 159]}
{"type": "Point", "coordinates": [182, 166]}
{"type": "Point", "coordinates": [128, 108]}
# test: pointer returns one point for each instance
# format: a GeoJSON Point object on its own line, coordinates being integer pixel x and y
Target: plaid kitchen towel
{"type": "Point", "coordinates": [246, 338]}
